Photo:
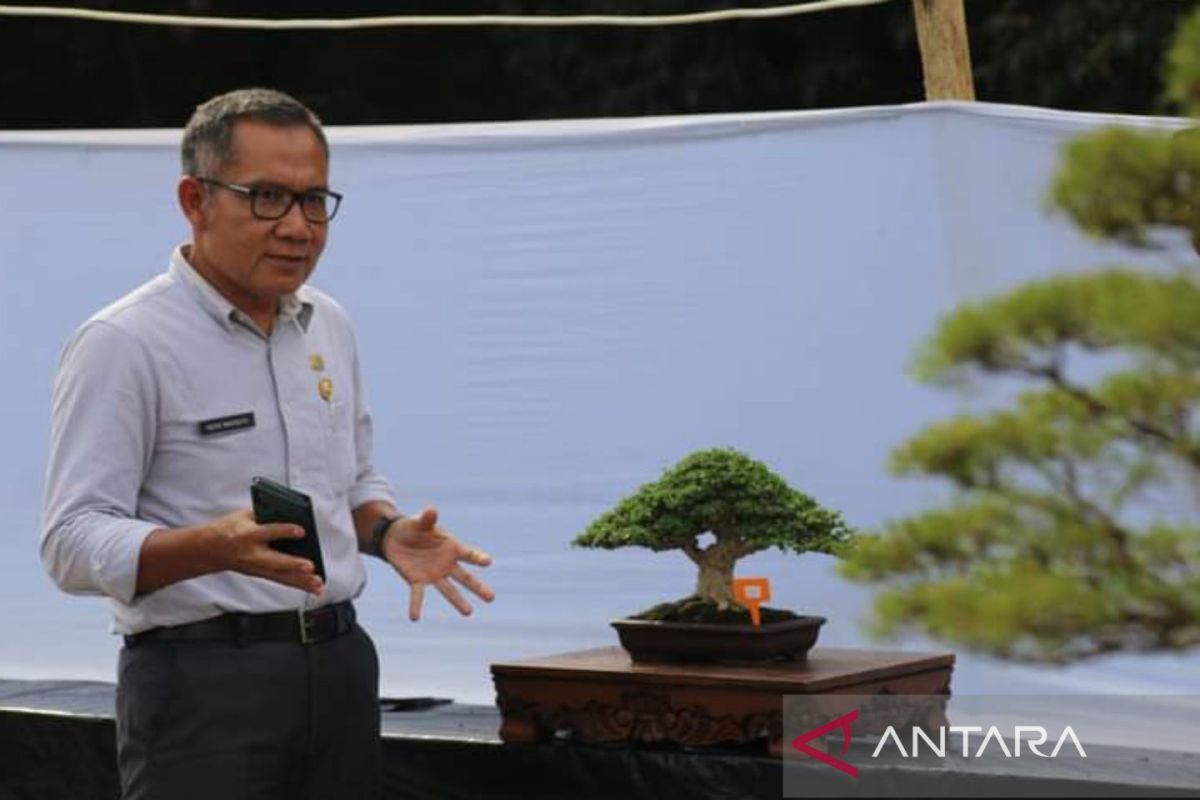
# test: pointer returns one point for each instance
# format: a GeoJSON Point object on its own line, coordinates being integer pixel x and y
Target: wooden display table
{"type": "Point", "coordinates": [600, 696]}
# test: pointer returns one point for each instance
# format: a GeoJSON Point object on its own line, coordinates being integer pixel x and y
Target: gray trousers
{"type": "Point", "coordinates": [259, 721]}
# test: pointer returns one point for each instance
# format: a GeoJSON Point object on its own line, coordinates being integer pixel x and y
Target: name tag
{"type": "Point", "coordinates": [234, 422]}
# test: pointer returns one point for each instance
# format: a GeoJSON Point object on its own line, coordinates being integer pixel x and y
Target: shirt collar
{"type": "Point", "coordinates": [292, 307]}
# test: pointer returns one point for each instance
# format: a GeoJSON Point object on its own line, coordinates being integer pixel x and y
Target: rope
{"type": "Point", "coordinates": [358, 23]}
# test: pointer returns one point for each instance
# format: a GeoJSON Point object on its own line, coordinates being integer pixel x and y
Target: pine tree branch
{"type": "Point", "coordinates": [1098, 408]}
{"type": "Point", "coordinates": [1106, 521]}
{"type": "Point", "coordinates": [1090, 514]}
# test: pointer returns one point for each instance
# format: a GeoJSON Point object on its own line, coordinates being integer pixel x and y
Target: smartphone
{"type": "Point", "coordinates": [274, 502]}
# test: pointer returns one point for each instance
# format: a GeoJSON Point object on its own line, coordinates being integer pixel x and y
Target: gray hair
{"type": "Point", "coordinates": [208, 136]}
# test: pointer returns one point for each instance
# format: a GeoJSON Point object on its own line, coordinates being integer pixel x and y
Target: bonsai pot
{"type": "Point", "coordinates": [654, 640]}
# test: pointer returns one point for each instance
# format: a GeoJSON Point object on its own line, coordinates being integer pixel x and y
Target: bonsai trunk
{"type": "Point", "coordinates": [715, 582]}
{"type": "Point", "coordinates": [716, 562]}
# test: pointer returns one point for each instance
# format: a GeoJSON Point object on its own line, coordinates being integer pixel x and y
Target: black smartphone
{"type": "Point", "coordinates": [274, 502]}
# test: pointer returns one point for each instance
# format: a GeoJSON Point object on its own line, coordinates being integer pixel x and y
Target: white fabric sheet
{"type": "Point", "coordinates": [551, 313]}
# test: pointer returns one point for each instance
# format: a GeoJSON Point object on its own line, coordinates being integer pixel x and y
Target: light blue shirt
{"type": "Point", "coordinates": [128, 454]}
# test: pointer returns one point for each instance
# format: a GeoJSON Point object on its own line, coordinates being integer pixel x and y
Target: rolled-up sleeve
{"type": "Point", "coordinates": [102, 428]}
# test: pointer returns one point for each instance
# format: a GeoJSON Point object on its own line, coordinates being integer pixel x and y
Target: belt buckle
{"type": "Point", "coordinates": [306, 634]}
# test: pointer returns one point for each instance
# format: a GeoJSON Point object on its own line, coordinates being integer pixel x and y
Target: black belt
{"type": "Point", "coordinates": [300, 626]}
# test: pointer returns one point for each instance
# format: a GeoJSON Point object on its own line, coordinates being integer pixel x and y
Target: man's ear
{"type": "Point", "coordinates": [191, 197]}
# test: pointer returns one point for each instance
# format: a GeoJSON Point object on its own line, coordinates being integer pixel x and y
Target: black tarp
{"type": "Point", "coordinates": [57, 741]}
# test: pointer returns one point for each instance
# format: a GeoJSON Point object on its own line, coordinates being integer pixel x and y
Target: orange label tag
{"type": "Point", "coordinates": [752, 593]}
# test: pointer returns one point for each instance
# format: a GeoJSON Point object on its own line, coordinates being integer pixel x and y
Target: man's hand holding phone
{"type": "Point", "coordinates": [248, 550]}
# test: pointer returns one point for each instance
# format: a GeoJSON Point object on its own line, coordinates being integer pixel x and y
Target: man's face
{"type": "Point", "coordinates": [254, 261]}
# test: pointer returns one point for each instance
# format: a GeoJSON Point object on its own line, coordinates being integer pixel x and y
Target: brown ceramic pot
{"type": "Point", "coordinates": [653, 640]}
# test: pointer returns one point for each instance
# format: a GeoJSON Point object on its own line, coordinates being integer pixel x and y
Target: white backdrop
{"type": "Point", "coordinates": [551, 313]}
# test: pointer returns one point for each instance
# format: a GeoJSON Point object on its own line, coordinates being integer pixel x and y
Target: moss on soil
{"type": "Point", "coordinates": [695, 609]}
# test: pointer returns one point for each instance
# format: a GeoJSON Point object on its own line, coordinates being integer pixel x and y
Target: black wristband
{"type": "Point", "coordinates": [379, 531]}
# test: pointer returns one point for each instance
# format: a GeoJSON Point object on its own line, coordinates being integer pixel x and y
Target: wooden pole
{"type": "Point", "coordinates": [945, 52]}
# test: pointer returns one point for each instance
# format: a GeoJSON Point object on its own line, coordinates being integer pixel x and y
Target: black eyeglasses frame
{"type": "Point", "coordinates": [254, 192]}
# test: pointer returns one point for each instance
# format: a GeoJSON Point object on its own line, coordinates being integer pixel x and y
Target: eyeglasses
{"type": "Point", "coordinates": [268, 201]}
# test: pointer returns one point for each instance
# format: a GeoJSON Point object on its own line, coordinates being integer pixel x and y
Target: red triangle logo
{"type": "Point", "coordinates": [844, 722]}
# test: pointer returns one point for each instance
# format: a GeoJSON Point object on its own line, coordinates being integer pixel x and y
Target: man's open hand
{"type": "Point", "coordinates": [425, 553]}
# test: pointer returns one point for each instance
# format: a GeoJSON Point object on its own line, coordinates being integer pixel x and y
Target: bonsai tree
{"type": "Point", "coordinates": [1073, 529]}
{"type": "Point", "coordinates": [740, 502]}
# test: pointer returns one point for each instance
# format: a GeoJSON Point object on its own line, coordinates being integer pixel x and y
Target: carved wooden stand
{"type": "Point", "coordinates": [600, 696]}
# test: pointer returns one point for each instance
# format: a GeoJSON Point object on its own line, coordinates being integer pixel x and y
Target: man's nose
{"type": "Point", "coordinates": [293, 225]}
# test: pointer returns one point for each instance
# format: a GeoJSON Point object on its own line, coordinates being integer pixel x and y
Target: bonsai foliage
{"type": "Point", "coordinates": [1072, 530]}
{"type": "Point", "coordinates": [745, 506]}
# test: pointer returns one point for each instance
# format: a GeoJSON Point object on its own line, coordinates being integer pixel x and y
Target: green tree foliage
{"type": "Point", "coordinates": [1183, 67]}
{"type": "Point", "coordinates": [1127, 184]}
{"type": "Point", "coordinates": [1058, 543]}
{"type": "Point", "coordinates": [743, 504]}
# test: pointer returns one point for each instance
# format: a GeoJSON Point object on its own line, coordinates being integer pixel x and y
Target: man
{"type": "Point", "coordinates": [244, 675]}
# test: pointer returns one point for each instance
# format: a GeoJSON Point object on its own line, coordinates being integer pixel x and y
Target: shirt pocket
{"type": "Point", "coordinates": [341, 451]}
